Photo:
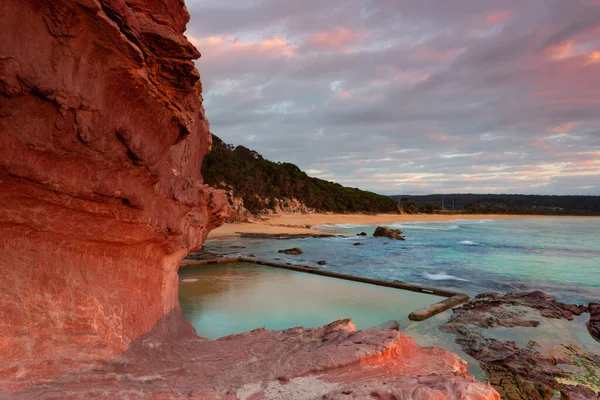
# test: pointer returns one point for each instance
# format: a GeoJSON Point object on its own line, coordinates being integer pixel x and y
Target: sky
{"type": "Point", "coordinates": [409, 96]}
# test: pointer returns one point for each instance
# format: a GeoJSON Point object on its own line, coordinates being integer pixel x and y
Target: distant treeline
{"type": "Point", "coordinates": [261, 182]}
{"type": "Point", "coordinates": [501, 204]}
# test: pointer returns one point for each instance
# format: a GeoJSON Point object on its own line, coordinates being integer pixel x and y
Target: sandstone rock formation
{"type": "Point", "coordinates": [382, 231]}
{"type": "Point", "coordinates": [102, 134]}
{"type": "Point", "coordinates": [332, 362]}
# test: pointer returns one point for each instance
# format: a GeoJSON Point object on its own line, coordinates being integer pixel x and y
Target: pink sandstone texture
{"type": "Point", "coordinates": [102, 135]}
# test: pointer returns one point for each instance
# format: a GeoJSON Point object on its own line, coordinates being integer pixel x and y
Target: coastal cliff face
{"type": "Point", "coordinates": [102, 135]}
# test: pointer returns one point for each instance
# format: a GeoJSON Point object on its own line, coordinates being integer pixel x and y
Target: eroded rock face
{"type": "Point", "coordinates": [102, 134]}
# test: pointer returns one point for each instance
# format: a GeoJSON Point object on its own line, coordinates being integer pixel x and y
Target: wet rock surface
{"type": "Point", "coordinates": [594, 323]}
{"type": "Point", "coordinates": [536, 369]}
{"type": "Point", "coordinates": [382, 231]}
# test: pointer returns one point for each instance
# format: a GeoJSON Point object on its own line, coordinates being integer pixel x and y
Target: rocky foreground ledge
{"type": "Point", "coordinates": [102, 135]}
{"type": "Point", "coordinates": [332, 362]}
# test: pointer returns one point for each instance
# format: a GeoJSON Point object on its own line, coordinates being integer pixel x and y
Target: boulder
{"type": "Point", "coordinates": [382, 231]}
{"type": "Point", "coordinates": [357, 244]}
{"type": "Point", "coordinates": [293, 252]}
{"type": "Point", "coordinates": [362, 234]}
{"type": "Point", "coordinates": [322, 262]}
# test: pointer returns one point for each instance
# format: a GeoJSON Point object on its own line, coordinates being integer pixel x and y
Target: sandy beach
{"type": "Point", "coordinates": [296, 223]}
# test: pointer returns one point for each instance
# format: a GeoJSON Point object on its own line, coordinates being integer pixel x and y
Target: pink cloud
{"type": "Point", "coordinates": [498, 17]}
{"type": "Point", "coordinates": [563, 128]}
{"type": "Point", "coordinates": [334, 39]}
{"type": "Point", "coordinates": [218, 47]}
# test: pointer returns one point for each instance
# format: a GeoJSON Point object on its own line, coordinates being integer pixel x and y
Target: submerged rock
{"type": "Point", "coordinates": [391, 324]}
{"type": "Point", "coordinates": [294, 251]}
{"type": "Point", "coordinates": [362, 234]}
{"type": "Point", "coordinates": [525, 370]}
{"type": "Point", "coordinates": [388, 233]}
{"type": "Point", "coordinates": [357, 244]}
{"type": "Point", "coordinates": [322, 262]}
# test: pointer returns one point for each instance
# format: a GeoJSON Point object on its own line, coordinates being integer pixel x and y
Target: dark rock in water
{"type": "Point", "coordinates": [362, 234]}
{"type": "Point", "coordinates": [525, 370]}
{"type": "Point", "coordinates": [382, 231]}
{"type": "Point", "coordinates": [594, 324]}
{"type": "Point", "coordinates": [322, 262]}
{"type": "Point", "coordinates": [357, 244]}
{"type": "Point", "coordinates": [293, 252]}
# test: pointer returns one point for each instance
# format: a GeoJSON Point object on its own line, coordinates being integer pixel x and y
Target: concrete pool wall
{"type": "Point", "coordinates": [452, 298]}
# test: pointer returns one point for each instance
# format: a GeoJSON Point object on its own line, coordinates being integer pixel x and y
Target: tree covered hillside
{"type": "Point", "coordinates": [262, 183]}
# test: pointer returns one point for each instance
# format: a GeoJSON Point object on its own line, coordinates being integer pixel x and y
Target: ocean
{"type": "Point", "coordinates": [559, 256]}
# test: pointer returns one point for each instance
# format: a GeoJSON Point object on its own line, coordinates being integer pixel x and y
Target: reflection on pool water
{"type": "Point", "coordinates": [220, 300]}
{"type": "Point", "coordinates": [225, 299]}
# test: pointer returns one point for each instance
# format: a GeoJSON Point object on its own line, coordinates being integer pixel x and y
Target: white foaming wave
{"type": "Point", "coordinates": [425, 227]}
{"type": "Point", "coordinates": [474, 221]}
{"type": "Point", "coordinates": [442, 276]}
{"type": "Point", "coordinates": [469, 243]}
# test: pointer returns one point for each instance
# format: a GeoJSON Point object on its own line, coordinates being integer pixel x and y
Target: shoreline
{"type": "Point", "coordinates": [297, 223]}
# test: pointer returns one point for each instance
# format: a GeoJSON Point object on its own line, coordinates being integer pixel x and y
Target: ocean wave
{"type": "Point", "coordinates": [469, 243]}
{"type": "Point", "coordinates": [442, 276]}
{"type": "Point", "coordinates": [474, 221]}
{"type": "Point", "coordinates": [428, 228]}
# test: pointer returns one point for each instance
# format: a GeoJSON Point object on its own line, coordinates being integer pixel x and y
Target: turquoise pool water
{"type": "Point", "coordinates": [233, 298]}
{"type": "Point", "coordinates": [558, 256]}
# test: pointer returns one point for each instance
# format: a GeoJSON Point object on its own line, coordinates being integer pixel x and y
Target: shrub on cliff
{"type": "Point", "coordinates": [259, 182]}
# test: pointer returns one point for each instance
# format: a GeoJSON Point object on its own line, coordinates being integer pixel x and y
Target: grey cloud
{"type": "Point", "coordinates": [429, 76]}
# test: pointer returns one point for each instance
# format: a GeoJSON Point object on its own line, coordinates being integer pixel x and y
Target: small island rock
{"type": "Point", "coordinates": [362, 234]}
{"type": "Point", "coordinates": [382, 231]}
{"type": "Point", "coordinates": [357, 244]}
{"type": "Point", "coordinates": [322, 262]}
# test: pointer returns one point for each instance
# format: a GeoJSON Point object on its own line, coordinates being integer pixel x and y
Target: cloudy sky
{"type": "Point", "coordinates": [410, 96]}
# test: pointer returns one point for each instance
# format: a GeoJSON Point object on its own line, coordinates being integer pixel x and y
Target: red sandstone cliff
{"type": "Point", "coordinates": [102, 135]}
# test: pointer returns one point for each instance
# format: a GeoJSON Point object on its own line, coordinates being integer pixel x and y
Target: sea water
{"type": "Point", "coordinates": [559, 256]}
